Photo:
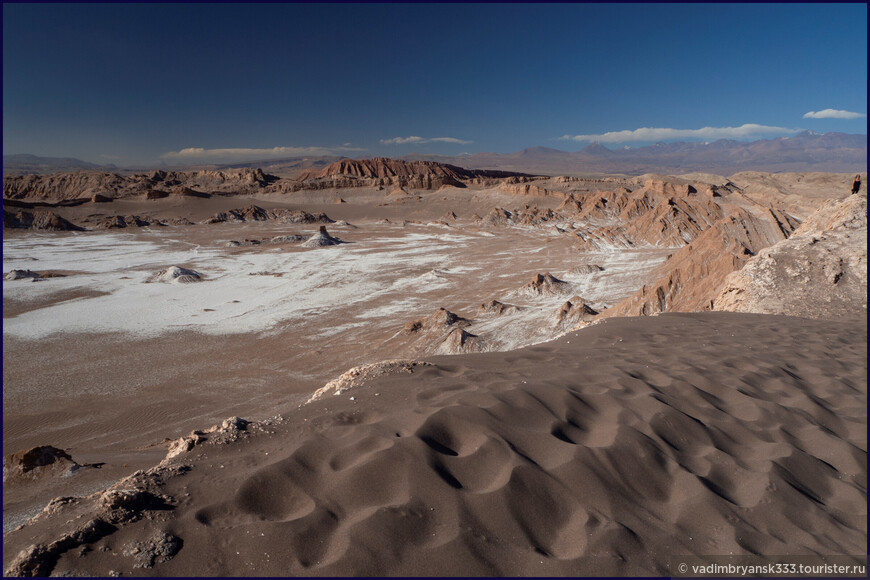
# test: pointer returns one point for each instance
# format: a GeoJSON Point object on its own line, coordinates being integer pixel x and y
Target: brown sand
{"type": "Point", "coordinates": [604, 452]}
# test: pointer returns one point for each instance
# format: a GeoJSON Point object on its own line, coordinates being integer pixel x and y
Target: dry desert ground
{"type": "Point", "coordinates": [395, 368]}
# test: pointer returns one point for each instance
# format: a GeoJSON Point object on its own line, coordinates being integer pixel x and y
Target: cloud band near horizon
{"type": "Point", "coordinates": [243, 153]}
{"type": "Point", "coordinates": [833, 114]}
{"type": "Point", "coordinates": [415, 139]}
{"type": "Point", "coordinates": [745, 131]}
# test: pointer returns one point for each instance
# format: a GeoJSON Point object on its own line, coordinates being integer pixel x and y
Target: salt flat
{"type": "Point", "coordinates": [381, 274]}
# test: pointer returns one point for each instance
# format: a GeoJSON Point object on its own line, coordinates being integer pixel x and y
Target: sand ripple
{"type": "Point", "coordinates": [585, 455]}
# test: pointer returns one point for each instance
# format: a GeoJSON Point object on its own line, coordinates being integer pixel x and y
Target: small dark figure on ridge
{"type": "Point", "coordinates": [856, 185]}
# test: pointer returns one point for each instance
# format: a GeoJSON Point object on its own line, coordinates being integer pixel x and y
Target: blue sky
{"type": "Point", "coordinates": [127, 84]}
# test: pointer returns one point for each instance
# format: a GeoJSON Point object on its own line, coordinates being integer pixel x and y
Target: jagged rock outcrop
{"type": "Point", "coordinates": [176, 275]}
{"type": "Point", "coordinates": [359, 375]}
{"type": "Point", "coordinates": [379, 172]}
{"type": "Point", "coordinates": [573, 312]}
{"type": "Point", "coordinates": [40, 559]}
{"type": "Point", "coordinates": [46, 221]}
{"type": "Point", "coordinates": [441, 318]}
{"type": "Point", "coordinates": [158, 548]}
{"type": "Point", "coordinates": [836, 215]}
{"type": "Point", "coordinates": [442, 332]}
{"type": "Point", "coordinates": [321, 239]}
{"type": "Point", "coordinates": [544, 285]}
{"type": "Point", "coordinates": [586, 269]}
{"type": "Point", "coordinates": [287, 239]}
{"type": "Point", "coordinates": [298, 216]}
{"type": "Point", "coordinates": [571, 205]}
{"type": "Point", "coordinates": [59, 186]}
{"type": "Point", "coordinates": [382, 172]}
{"type": "Point", "coordinates": [658, 214]}
{"type": "Point", "coordinates": [124, 221]}
{"type": "Point", "coordinates": [22, 274]}
{"type": "Point", "coordinates": [37, 462]}
{"type": "Point", "coordinates": [380, 167]}
{"type": "Point", "coordinates": [497, 217]}
{"type": "Point", "coordinates": [253, 213]}
{"type": "Point", "coordinates": [528, 216]}
{"type": "Point", "coordinates": [693, 275]}
{"type": "Point", "coordinates": [244, 243]}
{"type": "Point", "coordinates": [459, 341]}
{"type": "Point", "coordinates": [87, 184]}
{"type": "Point", "coordinates": [496, 307]}
{"type": "Point", "coordinates": [79, 521]}
{"type": "Point", "coordinates": [819, 272]}
{"type": "Point", "coordinates": [528, 189]}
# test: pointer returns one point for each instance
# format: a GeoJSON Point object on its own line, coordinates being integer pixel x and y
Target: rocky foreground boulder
{"type": "Point", "coordinates": [177, 275]}
{"type": "Point", "coordinates": [22, 274]}
{"type": "Point", "coordinates": [36, 462]}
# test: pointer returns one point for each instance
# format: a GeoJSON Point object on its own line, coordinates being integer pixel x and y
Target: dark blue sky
{"type": "Point", "coordinates": [130, 83]}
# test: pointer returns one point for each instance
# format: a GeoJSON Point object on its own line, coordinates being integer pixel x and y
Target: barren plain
{"type": "Point", "coordinates": [417, 369]}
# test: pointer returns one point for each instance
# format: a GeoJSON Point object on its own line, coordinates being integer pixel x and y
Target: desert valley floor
{"type": "Point", "coordinates": [482, 375]}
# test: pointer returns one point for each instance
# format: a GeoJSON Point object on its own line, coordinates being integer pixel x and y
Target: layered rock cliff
{"type": "Point", "coordinates": [87, 184]}
{"type": "Point", "coordinates": [384, 172]}
{"type": "Point", "coordinates": [347, 173]}
{"type": "Point", "coordinates": [819, 272]}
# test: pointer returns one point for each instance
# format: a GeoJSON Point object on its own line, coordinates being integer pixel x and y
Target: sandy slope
{"type": "Point", "coordinates": [604, 452]}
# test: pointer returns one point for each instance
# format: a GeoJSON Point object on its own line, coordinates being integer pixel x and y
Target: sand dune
{"type": "Point", "coordinates": [644, 438]}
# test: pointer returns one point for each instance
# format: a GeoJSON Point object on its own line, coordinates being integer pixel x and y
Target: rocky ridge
{"type": "Point", "coordinates": [100, 186]}
{"type": "Point", "coordinates": [442, 332]}
{"type": "Point", "coordinates": [87, 184]}
{"type": "Point", "coordinates": [818, 272]}
{"type": "Point", "coordinates": [693, 275]}
{"type": "Point", "coordinates": [131, 499]}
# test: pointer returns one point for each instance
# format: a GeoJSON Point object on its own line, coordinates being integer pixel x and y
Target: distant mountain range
{"type": "Point", "coordinates": [807, 151]}
{"type": "Point", "coordinates": [25, 163]}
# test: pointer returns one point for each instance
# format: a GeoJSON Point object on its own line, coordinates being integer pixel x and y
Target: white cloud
{"type": "Point", "coordinates": [199, 154]}
{"type": "Point", "coordinates": [451, 140]}
{"type": "Point", "coordinates": [415, 139]}
{"type": "Point", "coordinates": [745, 131]}
{"type": "Point", "coordinates": [833, 114]}
{"type": "Point", "coordinates": [402, 140]}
